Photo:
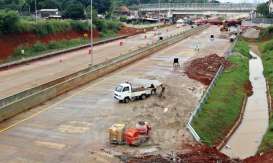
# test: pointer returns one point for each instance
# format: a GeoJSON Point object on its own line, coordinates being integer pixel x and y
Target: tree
{"type": "Point", "coordinates": [103, 6]}
{"type": "Point", "coordinates": [214, 1]}
{"type": "Point", "coordinates": [74, 11]}
{"type": "Point", "coordinates": [263, 9]}
{"type": "Point", "coordinates": [8, 21]}
{"type": "Point", "coordinates": [94, 13]}
{"type": "Point", "coordinates": [49, 4]}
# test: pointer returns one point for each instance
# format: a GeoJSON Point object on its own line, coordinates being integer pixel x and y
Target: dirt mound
{"type": "Point", "coordinates": [199, 154]}
{"type": "Point", "coordinates": [260, 158]}
{"type": "Point", "coordinates": [204, 69]}
{"type": "Point", "coordinates": [129, 31]}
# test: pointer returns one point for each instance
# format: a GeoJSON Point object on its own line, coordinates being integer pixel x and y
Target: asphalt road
{"type": "Point", "coordinates": [24, 77]}
{"type": "Point", "coordinates": [73, 127]}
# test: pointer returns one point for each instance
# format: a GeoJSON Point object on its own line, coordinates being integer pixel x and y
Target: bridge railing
{"type": "Point", "coordinates": [198, 6]}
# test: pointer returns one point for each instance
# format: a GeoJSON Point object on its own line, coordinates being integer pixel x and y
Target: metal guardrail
{"type": "Point", "coordinates": [201, 103]}
{"type": "Point", "coordinates": [207, 94]}
{"type": "Point", "coordinates": [262, 20]}
{"type": "Point", "coordinates": [31, 91]}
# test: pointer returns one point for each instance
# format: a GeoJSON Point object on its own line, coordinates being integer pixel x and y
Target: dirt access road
{"type": "Point", "coordinates": [74, 128]}
{"type": "Point", "coordinates": [24, 77]}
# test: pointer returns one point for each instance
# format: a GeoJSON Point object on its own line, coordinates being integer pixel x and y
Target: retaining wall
{"type": "Point", "coordinates": [30, 98]}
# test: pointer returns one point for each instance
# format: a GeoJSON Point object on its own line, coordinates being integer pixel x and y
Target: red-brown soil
{"type": "Point", "coordinates": [204, 69]}
{"type": "Point", "coordinates": [260, 158]}
{"type": "Point", "coordinates": [129, 31]}
{"type": "Point", "coordinates": [9, 43]}
{"type": "Point", "coordinates": [248, 88]}
{"type": "Point", "coordinates": [202, 154]}
{"type": "Point", "coordinates": [198, 154]}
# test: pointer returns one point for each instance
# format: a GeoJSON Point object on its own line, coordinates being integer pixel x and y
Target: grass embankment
{"type": "Point", "coordinates": [267, 57]}
{"type": "Point", "coordinates": [42, 48]}
{"type": "Point", "coordinates": [11, 23]}
{"type": "Point", "coordinates": [223, 107]}
{"type": "Point", "coordinates": [242, 47]}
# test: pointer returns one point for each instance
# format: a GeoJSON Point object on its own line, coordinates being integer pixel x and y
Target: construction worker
{"type": "Point", "coordinates": [162, 90]}
{"type": "Point", "coordinates": [176, 63]}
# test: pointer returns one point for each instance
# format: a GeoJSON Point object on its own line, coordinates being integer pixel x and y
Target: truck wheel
{"type": "Point", "coordinates": [126, 100]}
{"type": "Point", "coordinates": [143, 97]}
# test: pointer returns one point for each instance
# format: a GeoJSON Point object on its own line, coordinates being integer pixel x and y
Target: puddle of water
{"type": "Point", "coordinates": [247, 138]}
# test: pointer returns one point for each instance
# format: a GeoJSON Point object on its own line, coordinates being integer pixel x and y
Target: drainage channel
{"type": "Point", "coordinates": [247, 138]}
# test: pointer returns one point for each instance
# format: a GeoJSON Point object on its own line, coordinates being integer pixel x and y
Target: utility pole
{"type": "Point", "coordinates": [36, 11]}
{"type": "Point", "coordinates": [91, 34]}
{"type": "Point", "coordinates": [159, 8]}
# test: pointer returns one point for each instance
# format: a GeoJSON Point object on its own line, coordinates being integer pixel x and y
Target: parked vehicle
{"type": "Point", "coordinates": [139, 89]}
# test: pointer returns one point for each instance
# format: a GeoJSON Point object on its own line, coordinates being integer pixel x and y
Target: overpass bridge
{"type": "Point", "coordinates": [198, 8]}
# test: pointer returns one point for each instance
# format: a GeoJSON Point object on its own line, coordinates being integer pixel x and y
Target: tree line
{"type": "Point", "coordinates": [77, 9]}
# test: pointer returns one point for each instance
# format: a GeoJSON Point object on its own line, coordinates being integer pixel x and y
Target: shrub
{"type": "Point", "coordinates": [51, 26]}
{"type": "Point", "coordinates": [123, 19]}
{"type": "Point", "coordinates": [8, 21]}
{"type": "Point", "coordinates": [39, 47]}
{"type": "Point", "coordinates": [100, 24]}
{"type": "Point", "coordinates": [113, 25]}
{"type": "Point", "coordinates": [268, 46]}
{"type": "Point", "coordinates": [79, 25]}
{"type": "Point", "coordinates": [267, 32]}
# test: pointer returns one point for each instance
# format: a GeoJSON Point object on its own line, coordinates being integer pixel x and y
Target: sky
{"type": "Point", "coordinates": [240, 1]}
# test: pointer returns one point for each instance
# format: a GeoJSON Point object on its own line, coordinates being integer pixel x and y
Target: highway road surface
{"type": "Point", "coordinates": [24, 77]}
{"type": "Point", "coordinates": [73, 127]}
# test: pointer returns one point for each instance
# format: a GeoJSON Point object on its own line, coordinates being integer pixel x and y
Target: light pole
{"type": "Point", "coordinates": [159, 7]}
{"type": "Point", "coordinates": [91, 34]}
{"type": "Point", "coordinates": [35, 11]}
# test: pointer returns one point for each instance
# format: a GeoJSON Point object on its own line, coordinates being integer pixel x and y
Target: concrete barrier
{"type": "Point", "coordinates": [30, 98]}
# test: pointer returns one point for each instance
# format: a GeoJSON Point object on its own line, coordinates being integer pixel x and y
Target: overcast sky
{"type": "Point", "coordinates": [240, 1]}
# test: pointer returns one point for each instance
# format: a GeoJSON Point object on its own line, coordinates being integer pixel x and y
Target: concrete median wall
{"type": "Point", "coordinates": [28, 99]}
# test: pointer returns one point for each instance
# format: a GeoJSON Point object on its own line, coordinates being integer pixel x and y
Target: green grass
{"type": "Point", "coordinates": [267, 57]}
{"type": "Point", "coordinates": [242, 47]}
{"type": "Point", "coordinates": [223, 106]}
{"type": "Point", "coordinates": [266, 33]}
{"type": "Point", "coordinates": [41, 48]}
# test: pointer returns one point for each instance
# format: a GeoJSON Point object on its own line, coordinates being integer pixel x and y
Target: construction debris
{"type": "Point", "coordinates": [199, 154]}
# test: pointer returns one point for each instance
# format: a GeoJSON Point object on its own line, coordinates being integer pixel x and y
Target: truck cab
{"type": "Point", "coordinates": [127, 91]}
{"type": "Point", "coordinates": [123, 92]}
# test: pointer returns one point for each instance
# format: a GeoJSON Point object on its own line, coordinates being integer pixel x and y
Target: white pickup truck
{"type": "Point", "coordinates": [139, 89]}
